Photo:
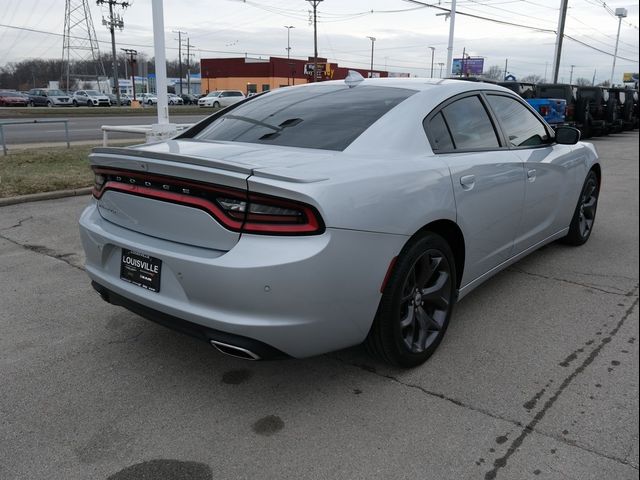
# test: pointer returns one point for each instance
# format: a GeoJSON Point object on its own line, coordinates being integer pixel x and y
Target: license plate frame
{"type": "Point", "coordinates": [140, 269]}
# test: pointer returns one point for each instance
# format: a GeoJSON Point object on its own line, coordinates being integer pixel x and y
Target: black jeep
{"type": "Point", "coordinates": [578, 112]}
{"type": "Point", "coordinates": [603, 107]}
{"type": "Point", "coordinates": [624, 106]}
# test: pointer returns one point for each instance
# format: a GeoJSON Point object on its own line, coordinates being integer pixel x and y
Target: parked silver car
{"type": "Point", "coordinates": [316, 217]}
{"type": "Point", "coordinates": [90, 98]}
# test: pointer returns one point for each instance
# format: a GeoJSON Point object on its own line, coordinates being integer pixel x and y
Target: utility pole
{"type": "Point", "coordinates": [462, 70]}
{"type": "Point", "coordinates": [132, 60]}
{"type": "Point", "coordinates": [560, 36]}
{"type": "Point", "coordinates": [571, 74]}
{"type": "Point", "coordinates": [373, 41]}
{"type": "Point", "coordinates": [180, 56]}
{"type": "Point", "coordinates": [189, 54]}
{"type": "Point", "coordinates": [433, 52]}
{"type": "Point", "coordinates": [289, 27]}
{"type": "Point", "coordinates": [452, 22]}
{"type": "Point", "coordinates": [113, 22]}
{"type": "Point", "coordinates": [593, 80]}
{"type": "Point", "coordinates": [620, 13]}
{"type": "Point", "coordinates": [315, 4]}
{"type": "Point", "coordinates": [506, 66]}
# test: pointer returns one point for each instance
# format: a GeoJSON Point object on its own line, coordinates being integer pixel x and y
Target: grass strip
{"type": "Point", "coordinates": [44, 170]}
{"type": "Point", "coordinates": [43, 112]}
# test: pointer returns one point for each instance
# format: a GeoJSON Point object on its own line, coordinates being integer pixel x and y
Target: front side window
{"type": "Point", "coordinates": [326, 117]}
{"type": "Point", "coordinates": [470, 125]}
{"type": "Point", "coordinates": [521, 126]}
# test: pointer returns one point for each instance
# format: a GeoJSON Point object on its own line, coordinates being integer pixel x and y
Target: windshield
{"type": "Point", "coordinates": [325, 117]}
{"type": "Point", "coordinates": [213, 94]}
{"type": "Point", "coordinates": [55, 92]}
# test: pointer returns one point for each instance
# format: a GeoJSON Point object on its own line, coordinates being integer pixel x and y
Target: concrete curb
{"type": "Point", "coordinates": [37, 197]}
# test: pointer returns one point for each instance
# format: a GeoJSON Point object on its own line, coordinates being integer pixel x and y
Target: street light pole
{"type": "Point", "coordinates": [571, 74]}
{"type": "Point", "coordinates": [289, 27]}
{"type": "Point", "coordinates": [315, 4]}
{"type": "Point", "coordinates": [620, 13]}
{"type": "Point", "coordinates": [373, 41]}
{"type": "Point", "coordinates": [433, 52]}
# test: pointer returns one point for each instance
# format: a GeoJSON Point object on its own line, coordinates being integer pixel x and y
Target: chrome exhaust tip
{"type": "Point", "coordinates": [234, 351]}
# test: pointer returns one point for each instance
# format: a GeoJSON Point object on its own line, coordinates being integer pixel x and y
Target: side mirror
{"type": "Point", "coordinates": [566, 135]}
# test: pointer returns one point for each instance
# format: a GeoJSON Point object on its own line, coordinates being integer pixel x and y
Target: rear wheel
{"type": "Point", "coordinates": [416, 304]}
{"type": "Point", "coordinates": [49, 104]}
{"type": "Point", "coordinates": [585, 213]}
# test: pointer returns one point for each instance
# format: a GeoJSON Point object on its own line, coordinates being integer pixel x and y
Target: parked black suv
{"type": "Point", "coordinates": [603, 107]}
{"type": "Point", "coordinates": [578, 112]}
{"type": "Point", "coordinates": [624, 110]}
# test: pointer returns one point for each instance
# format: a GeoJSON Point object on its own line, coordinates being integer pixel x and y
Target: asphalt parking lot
{"type": "Point", "coordinates": [537, 377]}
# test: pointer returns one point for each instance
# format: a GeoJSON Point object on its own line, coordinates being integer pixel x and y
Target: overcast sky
{"type": "Point", "coordinates": [403, 32]}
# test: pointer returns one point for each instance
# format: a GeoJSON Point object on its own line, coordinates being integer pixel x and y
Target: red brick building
{"type": "Point", "coordinates": [257, 75]}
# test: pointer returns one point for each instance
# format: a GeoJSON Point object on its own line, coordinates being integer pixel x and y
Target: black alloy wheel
{"type": "Point", "coordinates": [416, 304]}
{"type": "Point", "coordinates": [585, 213]}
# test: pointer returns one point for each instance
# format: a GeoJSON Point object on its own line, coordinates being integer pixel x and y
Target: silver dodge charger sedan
{"type": "Point", "coordinates": [321, 216]}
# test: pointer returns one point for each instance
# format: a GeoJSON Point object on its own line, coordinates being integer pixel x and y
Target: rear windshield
{"type": "Point", "coordinates": [590, 94]}
{"type": "Point", "coordinates": [326, 117]}
{"type": "Point", "coordinates": [552, 92]}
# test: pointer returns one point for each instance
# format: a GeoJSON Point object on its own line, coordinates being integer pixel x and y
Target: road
{"type": "Point", "coordinates": [83, 128]}
{"type": "Point", "coordinates": [536, 378]}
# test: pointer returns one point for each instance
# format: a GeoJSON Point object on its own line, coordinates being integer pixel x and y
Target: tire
{"type": "Point", "coordinates": [216, 104]}
{"type": "Point", "coordinates": [89, 103]}
{"type": "Point", "coordinates": [585, 213]}
{"type": "Point", "coordinates": [403, 334]}
{"type": "Point", "coordinates": [75, 103]}
{"type": "Point", "coordinates": [49, 104]}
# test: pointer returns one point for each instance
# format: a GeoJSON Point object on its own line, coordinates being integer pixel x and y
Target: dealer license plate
{"type": "Point", "coordinates": [141, 270]}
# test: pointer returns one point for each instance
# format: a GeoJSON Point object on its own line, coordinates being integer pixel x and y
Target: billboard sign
{"type": "Point", "coordinates": [630, 77]}
{"type": "Point", "coordinates": [467, 66]}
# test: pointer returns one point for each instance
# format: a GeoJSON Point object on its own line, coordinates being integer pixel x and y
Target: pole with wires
{"type": "Point", "coordinates": [314, 4]}
{"type": "Point", "coordinates": [433, 52]}
{"type": "Point", "coordinates": [373, 41]}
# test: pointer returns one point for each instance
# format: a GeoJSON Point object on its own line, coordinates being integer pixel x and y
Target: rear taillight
{"type": "Point", "coordinates": [544, 110]}
{"type": "Point", "coordinates": [233, 208]}
{"type": "Point", "coordinates": [570, 111]}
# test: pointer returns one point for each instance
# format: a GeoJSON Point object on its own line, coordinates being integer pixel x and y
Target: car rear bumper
{"type": "Point", "coordinates": [302, 296]}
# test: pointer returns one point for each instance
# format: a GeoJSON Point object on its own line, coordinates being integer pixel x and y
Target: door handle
{"type": "Point", "coordinates": [531, 174]}
{"type": "Point", "coordinates": [468, 181]}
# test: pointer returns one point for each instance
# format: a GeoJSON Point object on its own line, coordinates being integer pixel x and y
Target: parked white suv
{"type": "Point", "coordinates": [221, 98]}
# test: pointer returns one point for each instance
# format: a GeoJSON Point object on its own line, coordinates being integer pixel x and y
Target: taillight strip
{"type": "Point", "coordinates": [250, 223]}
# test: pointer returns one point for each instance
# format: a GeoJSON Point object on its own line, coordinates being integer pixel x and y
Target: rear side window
{"type": "Point", "coordinates": [470, 125]}
{"type": "Point", "coordinates": [439, 134]}
{"type": "Point", "coordinates": [522, 127]}
{"type": "Point", "coordinates": [326, 117]}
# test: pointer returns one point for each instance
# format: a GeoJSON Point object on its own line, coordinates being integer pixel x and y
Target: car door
{"type": "Point", "coordinates": [40, 97]}
{"type": "Point", "coordinates": [488, 180]}
{"type": "Point", "coordinates": [551, 171]}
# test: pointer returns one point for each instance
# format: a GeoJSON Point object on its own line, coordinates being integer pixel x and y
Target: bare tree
{"type": "Point", "coordinates": [532, 78]}
{"type": "Point", "coordinates": [604, 84]}
{"type": "Point", "coordinates": [494, 73]}
{"type": "Point", "coordinates": [583, 82]}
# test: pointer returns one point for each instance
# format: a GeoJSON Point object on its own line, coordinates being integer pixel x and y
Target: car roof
{"type": "Point", "coordinates": [437, 88]}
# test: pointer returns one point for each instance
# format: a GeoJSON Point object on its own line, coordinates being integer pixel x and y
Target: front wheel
{"type": "Point", "coordinates": [216, 105]}
{"type": "Point", "coordinates": [585, 213]}
{"type": "Point", "coordinates": [50, 104]}
{"type": "Point", "coordinates": [416, 304]}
